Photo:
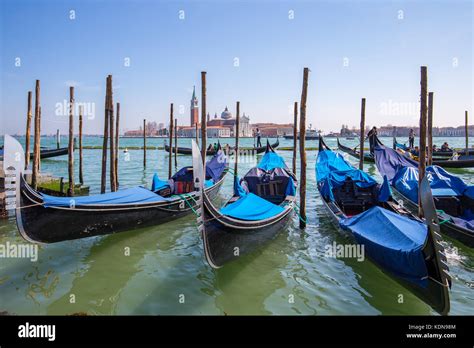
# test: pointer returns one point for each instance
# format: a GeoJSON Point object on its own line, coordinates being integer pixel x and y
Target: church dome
{"type": "Point", "coordinates": [226, 114]}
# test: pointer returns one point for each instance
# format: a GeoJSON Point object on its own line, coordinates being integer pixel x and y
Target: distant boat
{"type": "Point", "coordinates": [311, 134]}
{"type": "Point", "coordinates": [45, 153]}
{"type": "Point", "coordinates": [211, 150]}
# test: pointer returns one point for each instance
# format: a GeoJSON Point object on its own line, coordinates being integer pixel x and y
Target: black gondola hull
{"type": "Point", "coordinates": [226, 239]}
{"type": "Point", "coordinates": [48, 153]}
{"type": "Point", "coordinates": [442, 163]}
{"type": "Point", "coordinates": [52, 153]}
{"type": "Point", "coordinates": [353, 153]}
{"type": "Point", "coordinates": [440, 153]}
{"type": "Point", "coordinates": [50, 225]}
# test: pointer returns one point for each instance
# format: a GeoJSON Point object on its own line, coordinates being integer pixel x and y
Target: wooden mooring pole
{"type": "Point", "coordinates": [28, 131]}
{"type": "Point", "coordinates": [295, 134]}
{"type": "Point", "coordinates": [430, 129]}
{"type": "Point", "coordinates": [117, 125]}
{"type": "Point", "coordinates": [58, 138]}
{"type": "Point", "coordinates": [237, 134]}
{"type": "Point", "coordinates": [81, 176]}
{"type": "Point", "coordinates": [144, 143]}
{"type": "Point", "coordinates": [171, 141]}
{"type": "Point", "coordinates": [203, 118]}
{"type": "Point", "coordinates": [113, 181]}
{"type": "Point", "coordinates": [423, 119]}
{"type": "Point", "coordinates": [70, 158]}
{"type": "Point", "coordinates": [176, 143]}
{"type": "Point", "coordinates": [103, 181]}
{"type": "Point", "coordinates": [304, 94]}
{"type": "Point", "coordinates": [362, 135]}
{"type": "Point", "coordinates": [36, 147]}
{"type": "Point", "coordinates": [466, 130]}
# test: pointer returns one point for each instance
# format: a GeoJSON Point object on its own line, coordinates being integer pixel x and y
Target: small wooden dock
{"type": "Point", "coordinates": [47, 184]}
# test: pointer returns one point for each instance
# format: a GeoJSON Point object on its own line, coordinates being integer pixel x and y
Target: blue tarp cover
{"type": "Point", "coordinates": [332, 170]}
{"type": "Point", "coordinates": [238, 189]}
{"type": "Point", "coordinates": [290, 188]}
{"type": "Point", "coordinates": [441, 182]}
{"type": "Point", "coordinates": [126, 196]}
{"type": "Point", "coordinates": [252, 207]}
{"type": "Point", "coordinates": [271, 160]}
{"type": "Point", "coordinates": [402, 146]}
{"type": "Point", "coordinates": [385, 191]}
{"type": "Point", "coordinates": [216, 165]}
{"type": "Point", "coordinates": [403, 174]}
{"type": "Point", "coordinates": [393, 241]}
{"type": "Point", "coordinates": [389, 161]}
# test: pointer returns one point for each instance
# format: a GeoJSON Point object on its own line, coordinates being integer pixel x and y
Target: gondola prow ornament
{"type": "Point", "coordinates": [13, 164]}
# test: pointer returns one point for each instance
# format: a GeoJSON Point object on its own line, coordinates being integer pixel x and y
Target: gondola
{"type": "Point", "coordinates": [262, 205]}
{"type": "Point", "coordinates": [46, 153]}
{"type": "Point", "coordinates": [453, 198]}
{"type": "Point", "coordinates": [211, 150]}
{"type": "Point", "coordinates": [354, 153]}
{"type": "Point", "coordinates": [452, 163]}
{"type": "Point", "coordinates": [438, 153]}
{"type": "Point", "coordinates": [47, 219]}
{"type": "Point", "coordinates": [398, 242]}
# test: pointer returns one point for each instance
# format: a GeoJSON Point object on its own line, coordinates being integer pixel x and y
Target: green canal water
{"type": "Point", "coordinates": [165, 272]}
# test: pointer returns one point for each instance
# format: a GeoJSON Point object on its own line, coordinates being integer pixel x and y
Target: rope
{"type": "Point", "coordinates": [440, 211]}
{"type": "Point", "coordinates": [231, 171]}
{"type": "Point", "coordinates": [296, 208]}
{"type": "Point", "coordinates": [29, 206]}
{"type": "Point", "coordinates": [184, 197]}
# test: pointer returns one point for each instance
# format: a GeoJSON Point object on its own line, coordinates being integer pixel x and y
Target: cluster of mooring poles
{"type": "Point", "coordinates": [36, 155]}
{"type": "Point", "coordinates": [111, 139]}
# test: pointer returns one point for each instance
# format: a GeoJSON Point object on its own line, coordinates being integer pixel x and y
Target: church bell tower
{"type": "Point", "coordinates": [194, 108]}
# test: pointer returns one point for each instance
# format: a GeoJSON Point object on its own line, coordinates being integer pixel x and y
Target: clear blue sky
{"type": "Point", "coordinates": [167, 54]}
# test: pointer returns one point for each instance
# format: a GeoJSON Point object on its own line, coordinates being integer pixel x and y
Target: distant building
{"type": "Point", "coordinates": [228, 121]}
{"type": "Point", "coordinates": [194, 108]}
{"type": "Point", "coordinates": [404, 131]}
{"type": "Point", "coordinates": [272, 129]}
{"type": "Point", "coordinates": [212, 132]}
